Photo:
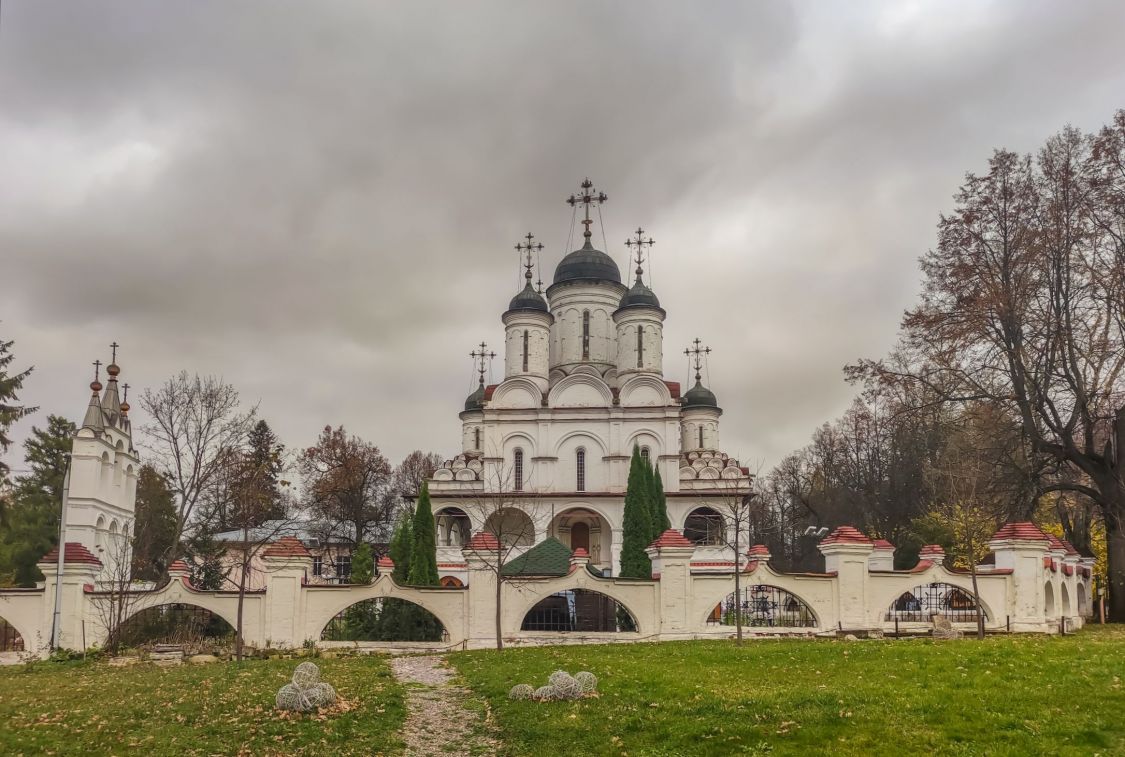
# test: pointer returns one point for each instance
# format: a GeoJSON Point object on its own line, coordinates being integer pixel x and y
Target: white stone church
{"type": "Point", "coordinates": [545, 453]}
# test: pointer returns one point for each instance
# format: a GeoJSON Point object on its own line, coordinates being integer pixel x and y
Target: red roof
{"type": "Point", "coordinates": [673, 388]}
{"type": "Point", "coordinates": [74, 553]}
{"type": "Point", "coordinates": [846, 535]}
{"type": "Point", "coordinates": [1070, 550]}
{"type": "Point", "coordinates": [884, 544]}
{"type": "Point", "coordinates": [286, 546]}
{"type": "Point", "coordinates": [759, 550]}
{"type": "Point", "coordinates": [1055, 542]}
{"type": "Point", "coordinates": [488, 390]}
{"type": "Point", "coordinates": [386, 562]}
{"type": "Point", "coordinates": [930, 551]}
{"type": "Point", "coordinates": [483, 542]}
{"type": "Point", "coordinates": [179, 566]}
{"type": "Point", "coordinates": [671, 538]}
{"type": "Point", "coordinates": [580, 552]}
{"type": "Point", "coordinates": [1024, 529]}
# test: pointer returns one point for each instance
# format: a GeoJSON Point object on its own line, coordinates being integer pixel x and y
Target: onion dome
{"type": "Point", "coordinates": [528, 299]}
{"type": "Point", "coordinates": [475, 401]}
{"type": "Point", "coordinates": [639, 296]}
{"type": "Point", "coordinates": [700, 396]}
{"type": "Point", "coordinates": [587, 264]}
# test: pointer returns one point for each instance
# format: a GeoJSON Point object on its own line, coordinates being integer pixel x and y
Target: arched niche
{"type": "Point", "coordinates": [453, 527]}
{"type": "Point", "coordinates": [384, 619]}
{"type": "Point", "coordinates": [764, 606]}
{"type": "Point", "coordinates": [516, 392]}
{"type": "Point", "coordinates": [580, 390]}
{"type": "Point", "coordinates": [705, 526]}
{"type": "Point", "coordinates": [922, 602]}
{"type": "Point", "coordinates": [173, 623]}
{"type": "Point", "coordinates": [511, 526]}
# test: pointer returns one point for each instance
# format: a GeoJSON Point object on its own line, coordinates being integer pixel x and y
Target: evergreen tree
{"type": "Point", "coordinates": [265, 453]}
{"type": "Point", "coordinates": [423, 553]}
{"type": "Point", "coordinates": [32, 525]}
{"type": "Point", "coordinates": [204, 555]}
{"type": "Point", "coordinates": [660, 505]}
{"type": "Point", "coordinates": [155, 527]}
{"type": "Point", "coordinates": [637, 525]}
{"type": "Point", "coordinates": [363, 564]}
{"type": "Point", "coordinates": [10, 412]}
{"type": "Point", "coordinates": [401, 544]}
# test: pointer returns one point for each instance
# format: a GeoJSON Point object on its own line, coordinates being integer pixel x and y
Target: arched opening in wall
{"type": "Point", "coordinates": [762, 605]}
{"type": "Point", "coordinates": [104, 469]}
{"type": "Point", "coordinates": [476, 438]}
{"type": "Point", "coordinates": [1083, 603]}
{"type": "Point", "coordinates": [580, 610]}
{"type": "Point", "coordinates": [705, 527]}
{"type": "Point", "coordinates": [174, 624]}
{"type": "Point", "coordinates": [10, 639]}
{"type": "Point", "coordinates": [1064, 596]}
{"type": "Point", "coordinates": [1050, 604]}
{"type": "Point", "coordinates": [921, 603]}
{"type": "Point", "coordinates": [579, 527]}
{"type": "Point", "coordinates": [451, 582]}
{"type": "Point", "coordinates": [99, 535]}
{"type": "Point", "coordinates": [511, 527]}
{"type": "Point", "coordinates": [580, 469]}
{"type": "Point", "coordinates": [453, 527]}
{"type": "Point", "coordinates": [384, 619]}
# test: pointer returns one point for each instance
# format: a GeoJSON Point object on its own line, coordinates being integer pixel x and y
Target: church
{"type": "Point", "coordinates": [545, 453]}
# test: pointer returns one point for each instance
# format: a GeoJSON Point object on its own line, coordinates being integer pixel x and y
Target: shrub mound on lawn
{"type": "Point", "coordinates": [561, 686]}
{"type": "Point", "coordinates": [306, 692]}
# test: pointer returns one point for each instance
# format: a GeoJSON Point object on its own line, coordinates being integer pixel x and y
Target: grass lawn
{"type": "Point", "coordinates": [221, 708]}
{"type": "Point", "coordinates": [1006, 695]}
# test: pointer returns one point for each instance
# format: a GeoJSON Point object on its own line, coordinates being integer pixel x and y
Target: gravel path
{"type": "Point", "coordinates": [437, 721]}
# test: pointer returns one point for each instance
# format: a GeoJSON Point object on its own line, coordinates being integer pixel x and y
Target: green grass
{"type": "Point", "coordinates": [221, 708]}
{"type": "Point", "coordinates": [1006, 695]}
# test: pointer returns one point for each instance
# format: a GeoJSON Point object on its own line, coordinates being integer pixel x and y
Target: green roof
{"type": "Point", "coordinates": [549, 557]}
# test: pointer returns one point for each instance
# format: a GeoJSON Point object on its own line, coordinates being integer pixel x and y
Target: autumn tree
{"type": "Point", "coordinates": [1022, 307]}
{"type": "Point", "coordinates": [345, 486]}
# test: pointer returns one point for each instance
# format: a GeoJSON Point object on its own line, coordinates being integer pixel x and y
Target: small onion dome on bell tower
{"type": "Point", "coordinates": [475, 401]}
{"type": "Point", "coordinates": [639, 295]}
{"type": "Point", "coordinates": [528, 298]}
{"type": "Point", "coordinates": [700, 396]}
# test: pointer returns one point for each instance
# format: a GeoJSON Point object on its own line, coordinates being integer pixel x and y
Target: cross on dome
{"type": "Point", "coordinates": [640, 243]}
{"type": "Point", "coordinates": [589, 196]}
{"type": "Point", "coordinates": [698, 353]}
{"type": "Point", "coordinates": [531, 245]}
{"type": "Point", "coordinates": [482, 355]}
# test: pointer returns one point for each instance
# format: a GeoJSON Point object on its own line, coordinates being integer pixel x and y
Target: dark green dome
{"type": "Point", "coordinates": [475, 401]}
{"type": "Point", "coordinates": [587, 263]}
{"type": "Point", "coordinates": [528, 299]}
{"type": "Point", "coordinates": [639, 295]}
{"type": "Point", "coordinates": [700, 396]}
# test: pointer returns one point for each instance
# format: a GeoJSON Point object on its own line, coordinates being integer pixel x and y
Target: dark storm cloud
{"type": "Point", "coordinates": [318, 200]}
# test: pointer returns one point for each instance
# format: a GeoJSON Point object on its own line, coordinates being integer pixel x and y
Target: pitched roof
{"type": "Point", "coordinates": [846, 535]}
{"type": "Point", "coordinates": [74, 553]}
{"type": "Point", "coordinates": [483, 542]}
{"type": "Point", "coordinates": [287, 546]}
{"type": "Point", "coordinates": [1025, 530]}
{"type": "Point", "coordinates": [671, 538]}
{"type": "Point", "coordinates": [179, 565]}
{"type": "Point", "coordinates": [549, 557]}
{"type": "Point", "coordinates": [884, 544]}
{"type": "Point", "coordinates": [931, 551]}
{"type": "Point", "coordinates": [759, 550]}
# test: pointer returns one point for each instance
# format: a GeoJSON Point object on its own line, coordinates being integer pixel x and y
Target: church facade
{"type": "Point", "coordinates": [545, 452]}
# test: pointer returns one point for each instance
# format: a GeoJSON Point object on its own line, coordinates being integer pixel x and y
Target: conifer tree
{"type": "Point", "coordinates": [363, 564]}
{"type": "Point", "coordinates": [401, 544]}
{"type": "Point", "coordinates": [659, 505]}
{"type": "Point", "coordinates": [10, 384]}
{"type": "Point", "coordinates": [637, 525]}
{"type": "Point", "coordinates": [423, 554]}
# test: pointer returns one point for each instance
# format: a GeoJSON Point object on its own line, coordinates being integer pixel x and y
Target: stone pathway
{"type": "Point", "coordinates": [437, 720]}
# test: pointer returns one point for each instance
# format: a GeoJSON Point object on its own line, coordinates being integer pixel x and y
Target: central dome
{"type": "Point", "coordinates": [587, 263]}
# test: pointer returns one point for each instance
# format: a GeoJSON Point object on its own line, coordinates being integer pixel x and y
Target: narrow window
{"type": "Point", "coordinates": [518, 470]}
{"type": "Point", "coordinates": [585, 334]}
{"type": "Point", "coordinates": [580, 465]}
{"type": "Point", "coordinates": [644, 454]}
{"type": "Point", "coordinates": [701, 437]}
{"type": "Point", "coordinates": [476, 438]}
{"type": "Point", "coordinates": [318, 565]}
{"type": "Point", "coordinates": [640, 346]}
{"type": "Point", "coordinates": [525, 350]}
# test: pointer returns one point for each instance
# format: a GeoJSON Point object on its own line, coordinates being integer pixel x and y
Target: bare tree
{"type": "Point", "coordinates": [115, 598]}
{"type": "Point", "coordinates": [509, 526]}
{"type": "Point", "coordinates": [735, 505]}
{"type": "Point", "coordinates": [195, 423]}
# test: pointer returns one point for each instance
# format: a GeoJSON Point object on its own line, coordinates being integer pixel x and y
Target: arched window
{"type": "Point", "coordinates": [701, 437]}
{"type": "Point", "coordinates": [640, 346]}
{"type": "Point", "coordinates": [476, 438]}
{"type": "Point", "coordinates": [525, 350]}
{"type": "Point", "coordinates": [585, 334]}
{"type": "Point", "coordinates": [705, 527]}
{"type": "Point", "coordinates": [517, 471]}
{"type": "Point", "coordinates": [644, 454]}
{"type": "Point", "coordinates": [580, 469]}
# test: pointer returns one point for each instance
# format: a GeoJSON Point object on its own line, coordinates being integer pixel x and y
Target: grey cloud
{"type": "Point", "coordinates": [318, 200]}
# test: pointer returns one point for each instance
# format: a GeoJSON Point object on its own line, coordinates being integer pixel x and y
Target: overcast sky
{"type": "Point", "coordinates": [318, 200]}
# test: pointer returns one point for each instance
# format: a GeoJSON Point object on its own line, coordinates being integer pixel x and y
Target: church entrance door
{"type": "Point", "coordinates": [580, 536]}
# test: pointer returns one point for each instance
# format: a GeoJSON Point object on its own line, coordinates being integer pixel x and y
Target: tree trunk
{"type": "Point", "coordinates": [499, 586]}
{"type": "Point", "coordinates": [241, 595]}
{"type": "Point", "coordinates": [1115, 563]}
{"type": "Point", "coordinates": [976, 598]}
{"type": "Point", "coordinates": [737, 589]}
